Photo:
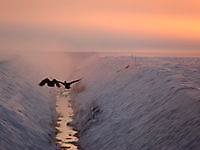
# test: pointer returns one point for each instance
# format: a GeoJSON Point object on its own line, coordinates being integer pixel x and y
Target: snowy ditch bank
{"type": "Point", "coordinates": [149, 104]}
{"type": "Point", "coordinates": [26, 112]}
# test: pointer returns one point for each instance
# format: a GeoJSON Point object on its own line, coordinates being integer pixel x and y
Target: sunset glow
{"type": "Point", "coordinates": [83, 25]}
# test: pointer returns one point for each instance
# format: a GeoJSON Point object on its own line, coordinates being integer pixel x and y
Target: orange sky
{"type": "Point", "coordinates": [89, 25]}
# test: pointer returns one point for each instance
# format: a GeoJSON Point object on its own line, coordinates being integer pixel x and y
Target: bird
{"type": "Point", "coordinates": [54, 82]}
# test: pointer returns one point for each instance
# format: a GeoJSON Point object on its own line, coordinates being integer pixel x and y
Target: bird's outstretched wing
{"type": "Point", "coordinates": [43, 82]}
{"type": "Point", "coordinates": [74, 81]}
{"type": "Point", "coordinates": [60, 82]}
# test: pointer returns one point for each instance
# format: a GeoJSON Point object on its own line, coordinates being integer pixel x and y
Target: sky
{"type": "Point", "coordinates": [153, 27]}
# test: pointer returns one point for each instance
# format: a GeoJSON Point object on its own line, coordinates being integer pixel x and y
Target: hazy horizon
{"type": "Point", "coordinates": [147, 28]}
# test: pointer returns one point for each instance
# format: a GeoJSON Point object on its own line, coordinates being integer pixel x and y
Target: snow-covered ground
{"type": "Point", "coordinates": [124, 103]}
{"type": "Point", "coordinates": [25, 110]}
{"type": "Point", "coordinates": [121, 103]}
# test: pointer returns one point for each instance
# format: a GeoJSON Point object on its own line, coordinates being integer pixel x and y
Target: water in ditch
{"type": "Point", "coordinates": [65, 135]}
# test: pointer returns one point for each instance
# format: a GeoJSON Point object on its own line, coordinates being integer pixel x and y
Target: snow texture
{"type": "Point", "coordinates": [124, 103]}
{"type": "Point", "coordinates": [25, 112]}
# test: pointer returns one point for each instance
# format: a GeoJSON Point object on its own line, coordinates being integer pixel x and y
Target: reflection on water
{"type": "Point", "coordinates": [65, 136]}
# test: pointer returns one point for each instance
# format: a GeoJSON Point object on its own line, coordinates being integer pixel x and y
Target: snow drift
{"type": "Point", "coordinates": [143, 104]}
{"type": "Point", "coordinates": [27, 110]}
{"type": "Point", "coordinates": [26, 115]}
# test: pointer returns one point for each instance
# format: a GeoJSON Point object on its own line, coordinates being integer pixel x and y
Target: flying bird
{"type": "Point", "coordinates": [54, 82]}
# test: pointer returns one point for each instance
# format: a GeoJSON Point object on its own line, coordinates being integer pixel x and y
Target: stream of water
{"type": "Point", "coordinates": [65, 136]}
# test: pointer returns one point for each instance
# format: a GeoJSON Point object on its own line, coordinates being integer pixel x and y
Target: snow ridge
{"type": "Point", "coordinates": [25, 112]}
{"type": "Point", "coordinates": [150, 104]}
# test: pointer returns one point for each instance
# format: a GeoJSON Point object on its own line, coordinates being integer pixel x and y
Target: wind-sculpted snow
{"type": "Point", "coordinates": [147, 104]}
{"type": "Point", "coordinates": [25, 114]}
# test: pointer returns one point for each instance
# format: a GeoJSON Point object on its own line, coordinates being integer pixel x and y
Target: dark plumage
{"type": "Point", "coordinates": [54, 82]}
